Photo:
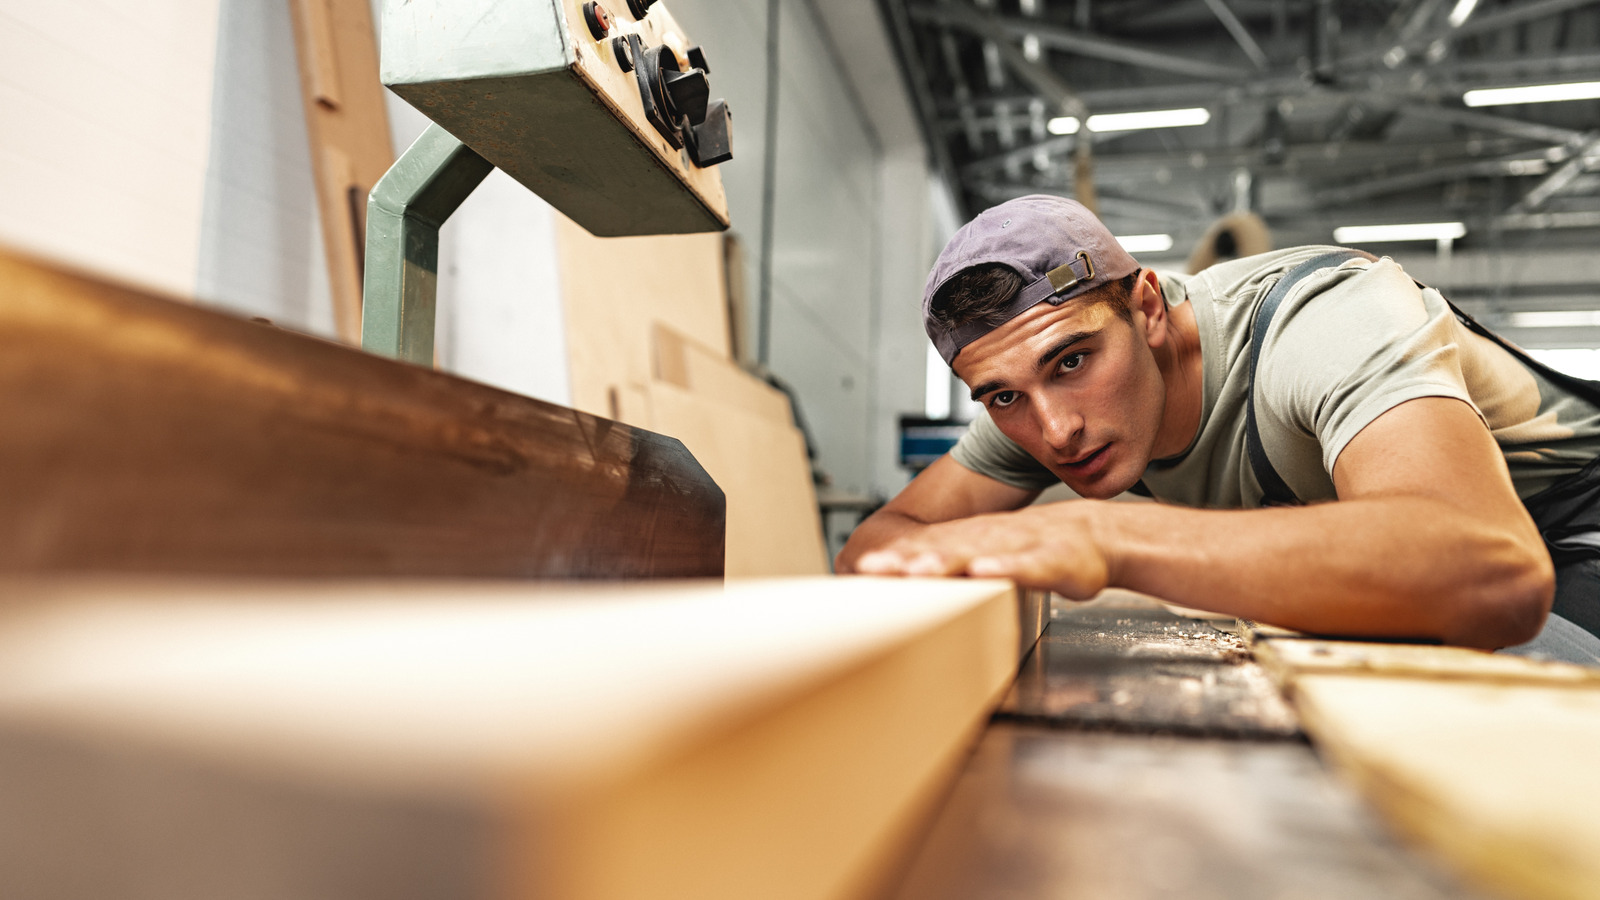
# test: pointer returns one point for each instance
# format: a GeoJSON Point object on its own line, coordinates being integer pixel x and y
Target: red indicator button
{"type": "Point", "coordinates": [598, 20]}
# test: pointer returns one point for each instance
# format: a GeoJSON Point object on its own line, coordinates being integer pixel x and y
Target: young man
{"type": "Point", "coordinates": [1365, 388]}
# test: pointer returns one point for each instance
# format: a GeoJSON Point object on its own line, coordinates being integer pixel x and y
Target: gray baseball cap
{"type": "Point", "coordinates": [1058, 247]}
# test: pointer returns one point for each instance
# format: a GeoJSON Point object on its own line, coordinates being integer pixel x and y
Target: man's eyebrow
{"type": "Point", "coordinates": [986, 387]}
{"type": "Point", "coordinates": [1061, 346]}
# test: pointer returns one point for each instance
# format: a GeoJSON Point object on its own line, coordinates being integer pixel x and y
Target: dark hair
{"type": "Point", "coordinates": [980, 294]}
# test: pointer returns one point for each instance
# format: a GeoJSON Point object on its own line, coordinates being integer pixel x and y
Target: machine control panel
{"type": "Point", "coordinates": [605, 109]}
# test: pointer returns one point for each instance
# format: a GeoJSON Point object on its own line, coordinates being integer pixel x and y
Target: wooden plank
{"type": "Point", "coordinates": [147, 435]}
{"type": "Point", "coordinates": [774, 525]}
{"type": "Point", "coordinates": [1288, 659]}
{"type": "Point", "coordinates": [777, 739]}
{"type": "Point", "coordinates": [691, 365]}
{"type": "Point", "coordinates": [1499, 778]}
{"type": "Point", "coordinates": [348, 128]}
{"type": "Point", "coordinates": [615, 290]}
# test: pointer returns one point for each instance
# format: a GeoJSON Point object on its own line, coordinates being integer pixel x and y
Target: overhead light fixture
{"type": "Point", "coordinates": [1134, 121]}
{"type": "Point", "coordinates": [1583, 362]}
{"type": "Point", "coordinates": [1463, 8]}
{"type": "Point", "coordinates": [1416, 231]}
{"type": "Point", "coordinates": [1145, 243]}
{"type": "Point", "coordinates": [1533, 93]}
{"type": "Point", "coordinates": [1561, 318]}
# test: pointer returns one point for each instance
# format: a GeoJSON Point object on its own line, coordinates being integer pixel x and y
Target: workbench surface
{"type": "Point", "coordinates": [1145, 754]}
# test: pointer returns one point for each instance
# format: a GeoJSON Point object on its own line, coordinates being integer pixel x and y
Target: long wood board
{"type": "Point", "coordinates": [144, 434]}
{"type": "Point", "coordinates": [775, 739]}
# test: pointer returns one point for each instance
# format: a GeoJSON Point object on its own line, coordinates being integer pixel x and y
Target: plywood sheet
{"type": "Point", "coordinates": [774, 527]}
{"type": "Point", "coordinates": [691, 365]}
{"type": "Point", "coordinates": [774, 739]}
{"type": "Point", "coordinates": [615, 290]}
{"type": "Point", "coordinates": [1501, 778]}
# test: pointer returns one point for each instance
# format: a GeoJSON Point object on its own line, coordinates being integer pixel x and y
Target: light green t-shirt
{"type": "Point", "coordinates": [1347, 345]}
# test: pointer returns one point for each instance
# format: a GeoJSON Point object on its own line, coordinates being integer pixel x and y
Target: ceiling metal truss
{"type": "Point", "coordinates": [1322, 112]}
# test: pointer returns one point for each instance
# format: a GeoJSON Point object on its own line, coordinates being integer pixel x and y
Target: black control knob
{"type": "Point", "coordinates": [640, 7]}
{"type": "Point", "coordinates": [711, 141]}
{"type": "Point", "coordinates": [687, 94]}
{"type": "Point", "coordinates": [697, 59]}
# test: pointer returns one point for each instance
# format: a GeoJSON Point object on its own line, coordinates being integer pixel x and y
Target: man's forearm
{"type": "Point", "coordinates": [1398, 567]}
{"type": "Point", "coordinates": [1391, 567]}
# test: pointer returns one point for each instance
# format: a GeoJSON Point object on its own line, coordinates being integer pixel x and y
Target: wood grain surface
{"type": "Point", "coordinates": [143, 434]}
{"type": "Point", "coordinates": [779, 739]}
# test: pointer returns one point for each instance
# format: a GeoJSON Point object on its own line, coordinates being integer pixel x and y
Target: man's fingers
{"type": "Point", "coordinates": [1076, 576]}
{"type": "Point", "coordinates": [931, 563]}
{"type": "Point", "coordinates": [881, 562]}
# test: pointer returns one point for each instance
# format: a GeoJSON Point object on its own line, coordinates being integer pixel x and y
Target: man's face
{"type": "Point", "coordinates": [1075, 385]}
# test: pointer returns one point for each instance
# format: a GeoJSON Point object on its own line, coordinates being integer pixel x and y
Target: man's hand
{"type": "Point", "coordinates": [1051, 547]}
{"type": "Point", "coordinates": [946, 491]}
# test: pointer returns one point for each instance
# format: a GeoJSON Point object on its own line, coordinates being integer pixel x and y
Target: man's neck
{"type": "Point", "coordinates": [1184, 374]}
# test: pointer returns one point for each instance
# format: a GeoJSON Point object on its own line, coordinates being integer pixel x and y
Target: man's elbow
{"type": "Point", "coordinates": [1512, 604]}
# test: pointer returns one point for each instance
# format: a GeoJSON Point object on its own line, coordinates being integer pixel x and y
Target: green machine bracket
{"type": "Point", "coordinates": [404, 213]}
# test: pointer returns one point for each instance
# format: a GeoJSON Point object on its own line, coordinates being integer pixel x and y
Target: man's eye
{"type": "Point", "coordinates": [1004, 398]}
{"type": "Point", "coordinates": [1071, 361]}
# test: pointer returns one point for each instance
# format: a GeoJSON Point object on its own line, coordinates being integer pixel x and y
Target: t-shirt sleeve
{"type": "Point", "coordinates": [986, 450]}
{"type": "Point", "coordinates": [1363, 342]}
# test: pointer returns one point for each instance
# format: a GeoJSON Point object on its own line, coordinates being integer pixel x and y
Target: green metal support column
{"type": "Point", "coordinates": [407, 207]}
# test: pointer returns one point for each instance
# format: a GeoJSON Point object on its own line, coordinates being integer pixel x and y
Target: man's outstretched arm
{"type": "Point", "coordinates": [1428, 540]}
{"type": "Point", "coordinates": [944, 491]}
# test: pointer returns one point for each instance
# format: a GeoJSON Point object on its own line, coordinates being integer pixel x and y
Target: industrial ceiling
{"type": "Point", "coordinates": [1319, 113]}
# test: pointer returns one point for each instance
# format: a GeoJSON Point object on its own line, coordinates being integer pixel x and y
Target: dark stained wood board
{"type": "Point", "coordinates": [142, 434]}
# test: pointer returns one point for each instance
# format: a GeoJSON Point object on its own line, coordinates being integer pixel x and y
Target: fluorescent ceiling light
{"type": "Point", "coordinates": [1533, 93]}
{"type": "Point", "coordinates": [1134, 121]}
{"type": "Point", "coordinates": [1145, 243]}
{"type": "Point", "coordinates": [1584, 362]}
{"type": "Point", "coordinates": [1155, 118]}
{"type": "Point", "coordinates": [1417, 231]}
{"type": "Point", "coordinates": [1459, 14]}
{"type": "Point", "coordinates": [1565, 318]}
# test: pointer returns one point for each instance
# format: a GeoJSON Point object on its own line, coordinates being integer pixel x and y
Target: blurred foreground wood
{"type": "Point", "coordinates": [145, 434]}
{"type": "Point", "coordinates": [774, 739]}
{"type": "Point", "coordinates": [1486, 759]}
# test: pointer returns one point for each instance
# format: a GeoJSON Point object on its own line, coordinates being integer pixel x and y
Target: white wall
{"type": "Point", "coordinates": [106, 112]}
{"type": "Point", "coordinates": [260, 249]}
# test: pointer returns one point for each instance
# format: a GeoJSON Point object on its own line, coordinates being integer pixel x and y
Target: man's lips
{"type": "Point", "coordinates": [1087, 459]}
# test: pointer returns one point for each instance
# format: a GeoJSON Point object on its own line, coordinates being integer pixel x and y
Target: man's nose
{"type": "Point", "coordinates": [1059, 424]}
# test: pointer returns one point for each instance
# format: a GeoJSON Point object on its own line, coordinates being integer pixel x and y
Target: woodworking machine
{"type": "Point", "coordinates": [603, 109]}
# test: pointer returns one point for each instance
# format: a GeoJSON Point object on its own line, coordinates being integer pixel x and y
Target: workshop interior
{"type": "Point", "coordinates": [427, 426]}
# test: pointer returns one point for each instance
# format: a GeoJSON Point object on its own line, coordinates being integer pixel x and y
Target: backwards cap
{"type": "Point", "coordinates": [1058, 247]}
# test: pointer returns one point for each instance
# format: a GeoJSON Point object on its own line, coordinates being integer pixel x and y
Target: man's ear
{"type": "Point", "coordinates": [1148, 299]}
